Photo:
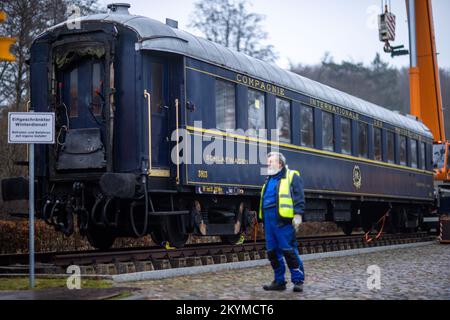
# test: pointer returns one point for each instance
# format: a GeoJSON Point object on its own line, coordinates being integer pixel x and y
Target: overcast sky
{"type": "Point", "coordinates": [303, 30]}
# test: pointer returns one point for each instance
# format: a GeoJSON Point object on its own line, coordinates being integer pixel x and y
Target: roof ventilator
{"type": "Point", "coordinates": [119, 8]}
{"type": "Point", "coordinates": [172, 23]}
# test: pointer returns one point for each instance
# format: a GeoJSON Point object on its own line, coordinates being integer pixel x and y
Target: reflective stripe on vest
{"type": "Point", "coordinates": [285, 201]}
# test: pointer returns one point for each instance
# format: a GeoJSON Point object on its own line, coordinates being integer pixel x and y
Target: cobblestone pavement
{"type": "Point", "coordinates": [414, 273]}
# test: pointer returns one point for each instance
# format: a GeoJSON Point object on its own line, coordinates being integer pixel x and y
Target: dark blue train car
{"type": "Point", "coordinates": [148, 140]}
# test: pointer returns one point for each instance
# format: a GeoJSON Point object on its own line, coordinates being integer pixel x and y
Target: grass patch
{"type": "Point", "coordinates": [22, 283]}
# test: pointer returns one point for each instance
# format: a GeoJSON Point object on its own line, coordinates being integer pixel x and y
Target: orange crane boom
{"type": "Point", "coordinates": [425, 88]}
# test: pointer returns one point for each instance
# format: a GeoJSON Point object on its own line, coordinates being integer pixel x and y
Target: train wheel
{"type": "Point", "coordinates": [169, 229]}
{"type": "Point", "coordinates": [240, 224]}
{"type": "Point", "coordinates": [347, 227]}
{"type": "Point", "coordinates": [390, 227]}
{"type": "Point", "coordinates": [157, 237]}
{"type": "Point", "coordinates": [101, 239]}
{"type": "Point", "coordinates": [366, 223]}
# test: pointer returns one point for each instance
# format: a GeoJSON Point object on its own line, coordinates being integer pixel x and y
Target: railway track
{"type": "Point", "coordinates": [155, 258]}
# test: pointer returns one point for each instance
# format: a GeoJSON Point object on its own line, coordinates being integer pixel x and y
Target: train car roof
{"type": "Point", "coordinates": [155, 35]}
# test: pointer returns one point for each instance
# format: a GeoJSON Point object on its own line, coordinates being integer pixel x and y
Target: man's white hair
{"type": "Point", "coordinates": [279, 156]}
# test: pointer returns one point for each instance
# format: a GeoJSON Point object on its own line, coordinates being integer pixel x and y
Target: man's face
{"type": "Point", "coordinates": [274, 165]}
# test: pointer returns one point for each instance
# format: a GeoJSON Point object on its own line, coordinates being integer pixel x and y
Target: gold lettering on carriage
{"type": "Point", "coordinates": [333, 109]}
{"type": "Point", "coordinates": [260, 85]}
{"type": "Point", "coordinates": [408, 133]}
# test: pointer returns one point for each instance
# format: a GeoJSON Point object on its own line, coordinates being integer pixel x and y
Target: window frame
{"type": "Point", "coordinates": [96, 100]}
{"type": "Point", "coordinates": [264, 112]}
{"type": "Point", "coordinates": [390, 134]}
{"type": "Point", "coordinates": [289, 108]}
{"type": "Point", "coordinates": [228, 84]}
{"type": "Point", "coordinates": [311, 126]}
{"type": "Point", "coordinates": [366, 127]}
{"type": "Point", "coordinates": [414, 155]}
{"type": "Point", "coordinates": [403, 162]}
{"type": "Point", "coordinates": [423, 155]}
{"type": "Point", "coordinates": [157, 87]}
{"type": "Point", "coordinates": [378, 146]}
{"type": "Point", "coordinates": [73, 93]}
{"type": "Point", "coordinates": [333, 140]}
{"type": "Point", "coordinates": [350, 136]}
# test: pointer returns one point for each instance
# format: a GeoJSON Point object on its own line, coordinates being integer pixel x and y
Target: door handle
{"type": "Point", "coordinates": [149, 111]}
{"type": "Point", "coordinates": [177, 124]}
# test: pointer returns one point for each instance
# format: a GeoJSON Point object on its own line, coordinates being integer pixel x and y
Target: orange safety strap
{"type": "Point", "coordinates": [255, 229]}
{"type": "Point", "coordinates": [367, 237]}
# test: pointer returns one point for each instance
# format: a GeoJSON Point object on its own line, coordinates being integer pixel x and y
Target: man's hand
{"type": "Point", "coordinates": [298, 220]}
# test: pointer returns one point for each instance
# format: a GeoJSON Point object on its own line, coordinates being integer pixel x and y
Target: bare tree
{"type": "Point", "coordinates": [230, 24]}
{"type": "Point", "coordinates": [26, 20]}
{"type": "Point", "coordinates": [378, 82]}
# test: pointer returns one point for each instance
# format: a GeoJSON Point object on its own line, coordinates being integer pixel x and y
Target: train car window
{"type": "Point", "coordinates": [225, 105]}
{"type": "Point", "coordinates": [363, 140]}
{"type": "Point", "coordinates": [403, 152]}
{"type": "Point", "coordinates": [74, 93]}
{"type": "Point", "coordinates": [284, 120]}
{"type": "Point", "coordinates": [96, 89]}
{"type": "Point", "coordinates": [256, 112]}
{"type": "Point", "coordinates": [328, 131]}
{"type": "Point", "coordinates": [414, 157]}
{"type": "Point", "coordinates": [423, 156]}
{"type": "Point", "coordinates": [346, 136]}
{"type": "Point", "coordinates": [390, 147]}
{"type": "Point", "coordinates": [157, 87]}
{"type": "Point", "coordinates": [307, 126]}
{"type": "Point", "coordinates": [378, 144]}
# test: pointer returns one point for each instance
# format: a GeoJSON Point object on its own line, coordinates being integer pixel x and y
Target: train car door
{"type": "Point", "coordinates": [81, 109]}
{"type": "Point", "coordinates": [82, 91]}
{"type": "Point", "coordinates": [156, 82]}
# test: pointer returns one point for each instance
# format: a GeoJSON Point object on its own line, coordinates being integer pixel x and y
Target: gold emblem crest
{"type": "Point", "coordinates": [357, 177]}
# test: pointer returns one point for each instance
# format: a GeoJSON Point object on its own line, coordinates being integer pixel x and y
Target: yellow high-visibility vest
{"type": "Point", "coordinates": [285, 201]}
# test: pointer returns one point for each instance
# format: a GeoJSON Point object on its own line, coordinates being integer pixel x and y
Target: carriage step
{"type": "Point", "coordinates": [169, 213]}
{"type": "Point", "coordinates": [217, 229]}
{"type": "Point", "coordinates": [223, 213]}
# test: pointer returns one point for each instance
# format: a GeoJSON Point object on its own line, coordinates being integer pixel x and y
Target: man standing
{"type": "Point", "coordinates": [281, 209]}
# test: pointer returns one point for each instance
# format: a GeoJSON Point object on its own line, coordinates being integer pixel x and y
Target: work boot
{"type": "Point", "coordinates": [275, 286]}
{"type": "Point", "coordinates": [298, 287]}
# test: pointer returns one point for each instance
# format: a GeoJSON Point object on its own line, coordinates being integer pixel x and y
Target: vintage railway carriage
{"type": "Point", "coordinates": [126, 87]}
